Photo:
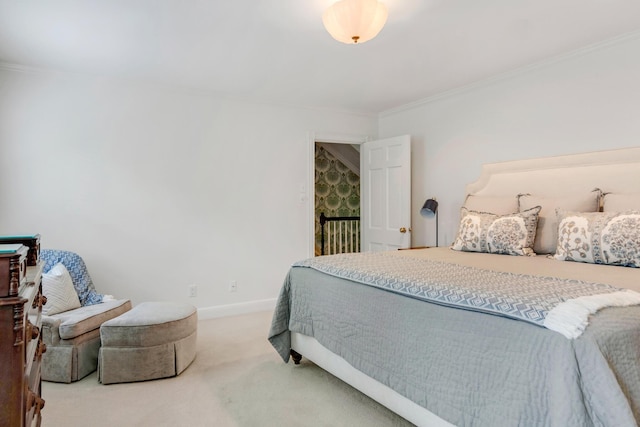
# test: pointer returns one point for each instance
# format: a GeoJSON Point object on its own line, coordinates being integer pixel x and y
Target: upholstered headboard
{"type": "Point", "coordinates": [555, 186]}
{"type": "Point", "coordinates": [616, 171]}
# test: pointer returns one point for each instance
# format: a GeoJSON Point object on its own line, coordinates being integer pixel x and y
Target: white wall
{"type": "Point", "coordinates": [159, 188]}
{"type": "Point", "coordinates": [586, 101]}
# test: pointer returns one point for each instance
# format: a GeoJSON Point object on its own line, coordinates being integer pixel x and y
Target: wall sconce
{"type": "Point", "coordinates": [355, 21]}
{"type": "Point", "coordinates": [429, 209]}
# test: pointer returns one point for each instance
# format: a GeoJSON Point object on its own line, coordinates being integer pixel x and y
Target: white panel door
{"type": "Point", "coordinates": [385, 179]}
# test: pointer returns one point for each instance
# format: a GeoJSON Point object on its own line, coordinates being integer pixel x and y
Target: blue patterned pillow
{"type": "Point", "coordinates": [77, 269]}
{"type": "Point", "coordinates": [511, 234]}
{"type": "Point", "coordinates": [599, 237]}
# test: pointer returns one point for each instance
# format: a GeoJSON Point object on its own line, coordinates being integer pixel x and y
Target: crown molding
{"type": "Point", "coordinates": [25, 69]}
{"type": "Point", "coordinates": [19, 68]}
{"type": "Point", "coordinates": [489, 81]}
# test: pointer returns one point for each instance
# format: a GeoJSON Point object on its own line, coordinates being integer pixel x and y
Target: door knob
{"type": "Point", "coordinates": [403, 230]}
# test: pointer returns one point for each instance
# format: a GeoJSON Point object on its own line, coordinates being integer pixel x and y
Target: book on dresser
{"type": "Point", "coordinates": [21, 345]}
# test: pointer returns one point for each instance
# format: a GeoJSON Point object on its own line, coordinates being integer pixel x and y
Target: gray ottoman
{"type": "Point", "coordinates": [152, 340]}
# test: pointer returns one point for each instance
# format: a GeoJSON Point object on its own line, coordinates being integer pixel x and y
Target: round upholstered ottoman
{"type": "Point", "coordinates": [152, 340]}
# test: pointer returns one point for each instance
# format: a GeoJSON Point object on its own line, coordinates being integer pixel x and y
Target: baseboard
{"type": "Point", "coordinates": [236, 309]}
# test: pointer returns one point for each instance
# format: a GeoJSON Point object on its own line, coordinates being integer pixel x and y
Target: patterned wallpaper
{"type": "Point", "coordinates": [337, 191]}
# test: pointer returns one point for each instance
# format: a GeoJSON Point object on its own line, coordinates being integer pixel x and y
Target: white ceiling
{"type": "Point", "coordinates": [277, 51]}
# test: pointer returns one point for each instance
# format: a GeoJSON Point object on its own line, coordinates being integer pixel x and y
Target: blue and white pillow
{"type": "Point", "coordinates": [511, 234]}
{"type": "Point", "coordinates": [611, 238]}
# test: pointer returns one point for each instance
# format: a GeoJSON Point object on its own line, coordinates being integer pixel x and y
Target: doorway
{"type": "Point", "coordinates": [338, 200]}
{"type": "Point", "coordinates": [385, 190]}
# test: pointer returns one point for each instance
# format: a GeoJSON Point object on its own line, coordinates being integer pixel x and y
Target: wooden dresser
{"type": "Point", "coordinates": [21, 345]}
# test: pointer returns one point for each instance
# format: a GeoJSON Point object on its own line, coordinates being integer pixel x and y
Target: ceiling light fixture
{"type": "Point", "coordinates": [355, 21]}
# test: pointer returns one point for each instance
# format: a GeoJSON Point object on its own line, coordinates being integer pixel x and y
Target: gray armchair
{"type": "Point", "coordinates": [73, 337]}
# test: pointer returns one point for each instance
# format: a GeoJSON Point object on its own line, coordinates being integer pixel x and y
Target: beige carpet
{"type": "Point", "coordinates": [236, 380]}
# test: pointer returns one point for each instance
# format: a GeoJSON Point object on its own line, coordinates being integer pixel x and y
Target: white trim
{"type": "Point", "coordinates": [514, 73]}
{"type": "Point", "coordinates": [236, 309]}
{"type": "Point", "coordinates": [333, 138]}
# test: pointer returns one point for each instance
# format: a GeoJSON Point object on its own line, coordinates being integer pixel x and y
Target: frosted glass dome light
{"type": "Point", "coordinates": [355, 21]}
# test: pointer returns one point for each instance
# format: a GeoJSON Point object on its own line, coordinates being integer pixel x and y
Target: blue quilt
{"type": "Point", "coordinates": [77, 270]}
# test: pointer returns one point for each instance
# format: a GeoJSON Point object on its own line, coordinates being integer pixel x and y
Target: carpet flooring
{"type": "Point", "coordinates": [236, 380]}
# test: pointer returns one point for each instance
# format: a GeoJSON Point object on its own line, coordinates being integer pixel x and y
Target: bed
{"type": "Point", "coordinates": [470, 336]}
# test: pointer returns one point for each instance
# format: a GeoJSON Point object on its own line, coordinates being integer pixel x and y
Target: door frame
{"type": "Point", "coordinates": [312, 138]}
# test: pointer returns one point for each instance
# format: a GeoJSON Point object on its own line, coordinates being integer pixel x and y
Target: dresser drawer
{"type": "Point", "coordinates": [32, 312]}
{"type": "Point", "coordinates": [35, 347]}
{"type": "Point", "coordinates": [12, 317]}
{"type": "Point", "coordinates": [33, 405]}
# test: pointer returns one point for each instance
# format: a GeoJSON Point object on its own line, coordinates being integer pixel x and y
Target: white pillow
{"type": "Point", "coordinates": [547, 232]}
{"type": "Point", "coordinates": [599, 237]}
{"type": "Point", "coordinates": [511, 234]}
{"type": "Point", "coordinates": [57, 286]}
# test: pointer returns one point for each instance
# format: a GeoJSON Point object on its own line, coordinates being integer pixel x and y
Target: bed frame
{"type": "Point", "coordinates": [611, 171]}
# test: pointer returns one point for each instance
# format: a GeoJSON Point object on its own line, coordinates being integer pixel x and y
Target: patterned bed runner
{"type": "Point", "coordinates": [562, 305]}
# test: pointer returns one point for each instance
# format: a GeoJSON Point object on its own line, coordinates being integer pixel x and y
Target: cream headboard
{"type": "Point", "coordinates": [615, 171]}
